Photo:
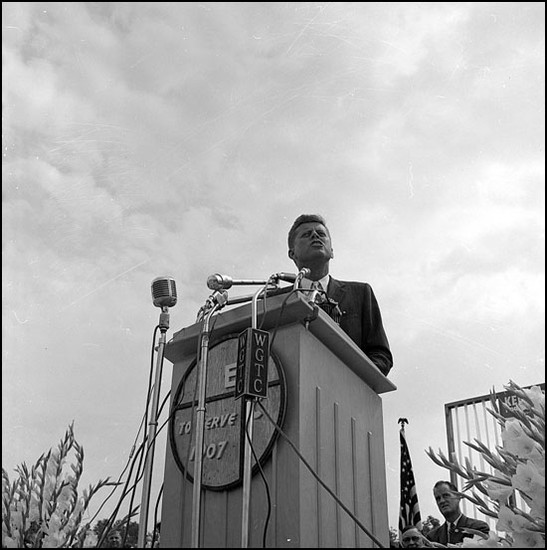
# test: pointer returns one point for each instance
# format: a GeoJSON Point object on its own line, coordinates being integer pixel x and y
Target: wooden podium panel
{"type": "Point", "coordinates": [333, 416]}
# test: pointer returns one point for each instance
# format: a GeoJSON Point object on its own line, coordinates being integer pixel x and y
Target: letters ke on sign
{"type": "Point", "coordinates": [223, 444]}
{"type": "Point", "coordinates": [510, 400]}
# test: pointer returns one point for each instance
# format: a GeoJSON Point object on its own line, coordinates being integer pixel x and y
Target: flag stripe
{"type": "Point", "coordinates": [409, 511]}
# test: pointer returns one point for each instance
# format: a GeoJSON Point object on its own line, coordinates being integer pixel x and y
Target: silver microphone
{"type": "Point", "coordinates": [224, 282]}
{"type": "Point", "coordinates": [164, 292]}
{"type": "Point", "coordinates": [219, 297]}
{"type": "Point", "coordinates": [287, 277]}
{"type": "Point", "coordinates": [304, 272]}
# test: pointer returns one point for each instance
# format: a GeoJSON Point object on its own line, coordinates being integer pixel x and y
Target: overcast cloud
{"type": "Point", "coordinates": [146, 139]}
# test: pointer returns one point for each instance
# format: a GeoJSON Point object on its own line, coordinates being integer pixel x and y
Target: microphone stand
{"type": "Point", "coordinates": [216, 301]}
{"type": "Point", "coordinates": [248, 436]}
{"type": "Point", "coordinates": [152, 427]}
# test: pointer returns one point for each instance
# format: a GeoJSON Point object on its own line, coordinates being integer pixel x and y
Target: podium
{"type": "Point", "coordinates": [325, 394]}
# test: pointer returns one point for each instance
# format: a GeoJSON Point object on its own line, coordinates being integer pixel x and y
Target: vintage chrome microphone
{"type": "Point", "coordinates": [164, 296]}
{"type": "Point", "coordinates": [224, 282]}
{"type": "Point", "coordinates": [304, 272]}
{"type": "Point", "coordinates": [164, 292]}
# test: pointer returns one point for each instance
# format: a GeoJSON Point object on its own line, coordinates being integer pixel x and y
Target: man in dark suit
{"type": "Point", "coordinates": [457, 526]}
{"type": "Point", "coordinates": [356, 306]}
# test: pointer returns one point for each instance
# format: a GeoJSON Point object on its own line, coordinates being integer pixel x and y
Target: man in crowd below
{"type": "Point", "coordinates": [456, 526]}
{"type": "Point", "coordinates": [357, 310]}
{"type": "Point", "coordinates": [114, 539]}
{"type": "Point", "coordinates": [411, 537]}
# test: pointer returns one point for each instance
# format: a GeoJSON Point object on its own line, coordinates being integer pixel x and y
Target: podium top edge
{"type": "Point", "coordinates": [281, 310]}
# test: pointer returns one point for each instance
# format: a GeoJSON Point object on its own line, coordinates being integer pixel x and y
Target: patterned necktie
{"type": "Point", "coordinates": [316, 285]}
{"type": "Point", "coordinates": [452, 530]}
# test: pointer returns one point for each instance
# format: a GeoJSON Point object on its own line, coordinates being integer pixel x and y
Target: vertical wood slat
{"type": "Point", "coordinates": [370, 478]}
{"type": "Point", "coordinates": [274, 495]}
{"type": "Point", "coordinates": [464, 502]}
{"type": "Point", "coordinates": [226, 537]}
{"type": "Point", "coordinates": [318, 465]}
{"type": "Point", "coordinates": [478, 434]}
{"type": "Point", "coordinates": [450, 437]}
{"type": "Point", "coordinates": [336, 435]}
{"type": "Point", "coordinates": [487, 431]}
{"type": "Point", "coordinates": [354, 478]}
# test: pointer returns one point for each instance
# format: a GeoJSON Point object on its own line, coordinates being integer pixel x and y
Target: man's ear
{"type": "Point", "coordinates": [290, 253]}
{"type": "Point", "coordinates": [331, 253]}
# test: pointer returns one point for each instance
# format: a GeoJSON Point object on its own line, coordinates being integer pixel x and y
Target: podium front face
{"type": "Point", "coordinates": [325, 395]}
{"type": "Point", "coordinates": [222, 450]}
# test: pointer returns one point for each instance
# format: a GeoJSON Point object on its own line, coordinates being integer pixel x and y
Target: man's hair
{"type": "Point", "coordinates": [449, 483]}
{"type": "Point", "coordinates": [409, 527]}
{"type": "Point", "coordinates": [304, 218]}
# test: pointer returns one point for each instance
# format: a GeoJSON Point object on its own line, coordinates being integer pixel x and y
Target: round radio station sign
{"type": "Point", "coordinates": [222, 463]}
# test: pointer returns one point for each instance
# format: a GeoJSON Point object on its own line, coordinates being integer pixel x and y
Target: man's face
{"type": "Point", "coordinates": [447, 501]}
{"type": "Point", "coordinates": [412, 539]}
{"type": "Point", "coordinates": [115, 540]}
{"type": "Point", "coordinates": [311, 243]}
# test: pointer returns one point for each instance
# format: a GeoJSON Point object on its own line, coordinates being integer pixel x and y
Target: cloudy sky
{"type": "Point", "coordinates": [147, 139]}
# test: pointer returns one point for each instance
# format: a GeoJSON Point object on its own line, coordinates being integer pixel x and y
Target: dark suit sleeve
{"type": "Point", "coordinates": [376, 344]}
{"type": "Point", "coordinates": [477, 524]}
{"type": "Point", "coordinates": [362, 321]}
{"type": "Point", "coordinates": [435, 534]}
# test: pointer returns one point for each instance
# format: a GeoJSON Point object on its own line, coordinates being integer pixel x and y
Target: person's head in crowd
{"type": "Point", "coordinates": [411, 537]}
{"type": "Point", "coordinates": [114, 539]}
{"type": "Point", "coordinates": [447, 499]}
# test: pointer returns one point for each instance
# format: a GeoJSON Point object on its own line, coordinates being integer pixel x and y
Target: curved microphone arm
{"type": "Point", "coordinates": [304, 272]}
{"type": "Point", "coordinates": [217, 298]}
{"type": "Point", "coordinates": [216, 301]}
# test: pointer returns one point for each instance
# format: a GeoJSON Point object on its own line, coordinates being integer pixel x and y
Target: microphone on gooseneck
{"type": "Point", "coordinates": [287, 277]}
{"type": "Point", "coordinates": [304, 272]}
{"type": "Point", "coordinates": [224, 282]}
{"type": "Point", "coordinates": [164, 292]}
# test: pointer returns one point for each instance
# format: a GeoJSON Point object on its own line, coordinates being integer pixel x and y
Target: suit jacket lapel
{"type": "Point", "coordinates": [336, 290]}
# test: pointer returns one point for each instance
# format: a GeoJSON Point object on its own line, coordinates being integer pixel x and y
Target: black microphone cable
{"type": "Point", "coordinates": [125, 492]}
{"type": "Point", "coordinates": [128, 489]}
{"type": "Point", "coordinates": [264, 299]}
{"type": "Point", "coordinates": [131, 454]}
{"type": "Point", "coordinates": [280, 315]}
{"type": "Point", "coordinates": [274, 333]}
{"type": "Point", "coordinates": [283, 304]}
{"type": "Point", "coordinates": [143, 455]}
{"type": "Point", "coordinates": [140, 473]}
{"type": "Point", "coordinates": [140, 454]}
{"type": "Point", "coordinates": [112, 518]}
{"type": "Point", "coordinates": [267, 487]}
{"type": "Point", "coordinates": [156, 508]}
{"type": "Point", "coordinates": [164, 295]}
{"type": "Point", "coordinates": [316, 476]}
{"type": "Point", "coordinates": [145, 435]}
{"type": "Point", "coordinates": [273, 278]}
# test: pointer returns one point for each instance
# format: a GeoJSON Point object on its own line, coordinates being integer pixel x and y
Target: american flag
{"type": "Point", "coordinates": [409, 511]}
